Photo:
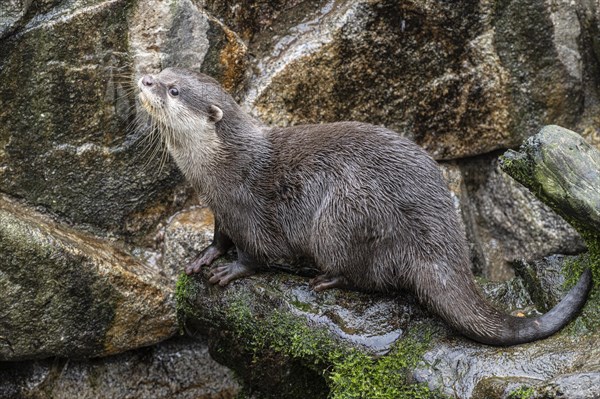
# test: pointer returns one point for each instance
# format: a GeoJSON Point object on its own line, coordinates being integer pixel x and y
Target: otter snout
{"type": "Point", "coordinates": [148, 80]}
{"type": "Point", "coordinates": [147, 94]}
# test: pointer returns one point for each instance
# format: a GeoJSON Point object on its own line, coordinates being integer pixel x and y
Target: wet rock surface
{"type": "Point", "coordinates": [451, 365]}
{"type": "Point", "coordinates": [181, 33]}
{"type": "Point", "coordinates": [462, 79]}
{"type": "Point", "coordinates": [459, 78]}
{"type": "Point", "coordinates": [544, 278]}
{"type": "Point", "coordinates": [13, 12]}
{"type": "Point", "coordinates": [64, 138]}
{"type": "Point", "coordinates": [463, 370]}
{"type": "Point", "coordinates": [504, 222]}
{"type": "Point", "coordinates": [66, 293]}
{"type": "Point", "coordinates": [180, 368]}
{"type": "Point", "coordinates": [363, 320]}
{"type": "Point", "coordinates": [278, 334]}
{"type": "Point", "coordinates": [562, 169]}
{"type": "Point", "coordinates": [67, 131]}
{"type": "Point", "coordinates": [508, 222]}
{"type": "Point", "coordinates": [186, 234]}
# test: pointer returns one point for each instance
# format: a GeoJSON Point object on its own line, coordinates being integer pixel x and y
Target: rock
{"type": "Point", "coordinates": [13, 12]}
{"type": "Point", "coordinates": [460, 78]}
{"type": "Point", "coordinates": [576, 386]}
{"type": "Point", "coordinates": [63, 129]}
{"type": "Point", "coordinates": [503, 221]}
{"type": "Point", "coordinates": [546, 73]}
{"type": "Point", "coordinates": [179, 33]}
{"type": "Point", "coordinates": [185, 236]}
{"type": "Point", "coordinates": [275, 332]}
{"type": "Point", "coordinates": [544, 277]}
{"type": "Point", "coordinates": [510, 295]}
{"type": "Point", "coordinates": [66, 293]}
{"type": "Point", "coordinates": [563, 170]}
{"type": "Point", "coordinates": [177, 369]}
{"type": "Point", "coordinates": [464, 370]}
{"type": "Point", "coordinates": [280, 336]}
{"type": "Point", "coordinates": [507, 222]}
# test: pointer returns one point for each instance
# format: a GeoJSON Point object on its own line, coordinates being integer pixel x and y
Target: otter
{"type": "Point", "coordinates": [368, 207]}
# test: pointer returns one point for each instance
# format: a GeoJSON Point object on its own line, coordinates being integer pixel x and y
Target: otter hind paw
{"type": "Point", "coordinates": [226, 273]}
{"type": "Point", "coordinates": [324, 282]}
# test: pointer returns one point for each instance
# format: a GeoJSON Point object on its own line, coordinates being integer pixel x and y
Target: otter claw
{"type": "Point", "coordinates": [324, 282]}
{"type": "Point", "coordinates": [224, 274]}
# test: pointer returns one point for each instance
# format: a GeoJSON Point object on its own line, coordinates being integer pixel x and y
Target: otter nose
{"type": "Point", "coordinates": [147, 80]}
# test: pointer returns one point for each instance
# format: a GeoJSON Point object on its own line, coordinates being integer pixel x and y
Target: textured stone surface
{"type": "Point", "coordinates": [504, 222]}
{"type": "Point", "coordinates": [507, 222]}
{"type": "Point", "coordinates": [185, 236]}
{"type": "Point", "coordinates": [63, 137]}
{"type": "Point", "coordinates": [12, 15]}
{"type": "Point", "coordinates": [65, 293]}
{"type": "Point", "coordinates": [463, 370]}
{"type": "Point", "coordinates": [180, 33]}
{"type": "Point", "coordinates": [236, 316]}
{"type": "Point", "coordinates": [563, 170]}
{"type": "Point", "coordinates": [177, 369]}
{"type": "Point", "coordinates": [544, 278]}
{"type": "Point", "coordinates": [460, 78]}
{"type": "Point", "coordinates": [254, 323]}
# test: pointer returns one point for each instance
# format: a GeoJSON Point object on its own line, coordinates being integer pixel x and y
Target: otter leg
{"type": "Point", "coordinates": [219, 246]}
{"type": "Point", "coordinates": [326, 281]}
{"type": "Point", "coordinates": [228, 272]}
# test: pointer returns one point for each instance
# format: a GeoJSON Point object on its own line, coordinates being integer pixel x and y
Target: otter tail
{"type": "Point", "coordinates": [470, 314]}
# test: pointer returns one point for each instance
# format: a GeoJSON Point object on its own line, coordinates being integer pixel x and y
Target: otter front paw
{"type": "Point", "coordinates": [205, 258]}
{"type": "Point", "coordinates": [226, 273]}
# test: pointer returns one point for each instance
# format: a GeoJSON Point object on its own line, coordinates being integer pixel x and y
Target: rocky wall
{"type": "Point", "coordinates": [96, 221]}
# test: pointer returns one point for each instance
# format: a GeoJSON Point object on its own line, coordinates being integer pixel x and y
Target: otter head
{"type": "Point", "coordinates": [182, 102]}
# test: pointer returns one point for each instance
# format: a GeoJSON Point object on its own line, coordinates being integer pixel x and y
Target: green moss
{"type": "Point", "coordinates": [184, 289]}
{"type": "Point", "coordinates": [519, 167]}
{"type": "Point", "coordinates": [592, 240]}
{"type": "Point", "coordinates": [281, 332]}
{"type": "Point", "coordinates": [589, 320]}
{"type": "Point", "coordinates": [522, 393]}
{"type": "Point", "coordinates": [350, 373]}
{"type": "Point", "coordinates": [357, 375]}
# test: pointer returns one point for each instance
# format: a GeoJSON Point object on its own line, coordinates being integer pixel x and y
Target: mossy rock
{"type": "Point", "coordinates": [286, 341]}
{"type": "Point", "coordinates": [563, 171]}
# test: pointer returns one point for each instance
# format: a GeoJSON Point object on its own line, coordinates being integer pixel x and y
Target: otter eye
{"type": "Point", "coordinates": [174, 91]}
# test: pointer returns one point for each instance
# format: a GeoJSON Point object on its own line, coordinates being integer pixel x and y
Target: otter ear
{"type": "Point", "coordinates": [215, 113]}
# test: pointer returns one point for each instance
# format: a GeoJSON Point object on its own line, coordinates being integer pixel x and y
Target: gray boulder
{"type": "Point", "coordinates": [176, 369]}
{"type": "Point", "coordinates": [67, 293]}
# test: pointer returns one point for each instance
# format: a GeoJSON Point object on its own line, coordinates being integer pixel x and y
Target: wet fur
{"type": "Point", "coordinates": [357, 200]}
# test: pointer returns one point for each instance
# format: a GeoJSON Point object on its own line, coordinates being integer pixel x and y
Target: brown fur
{"type": "Point", "coordinates": [369, 208]}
